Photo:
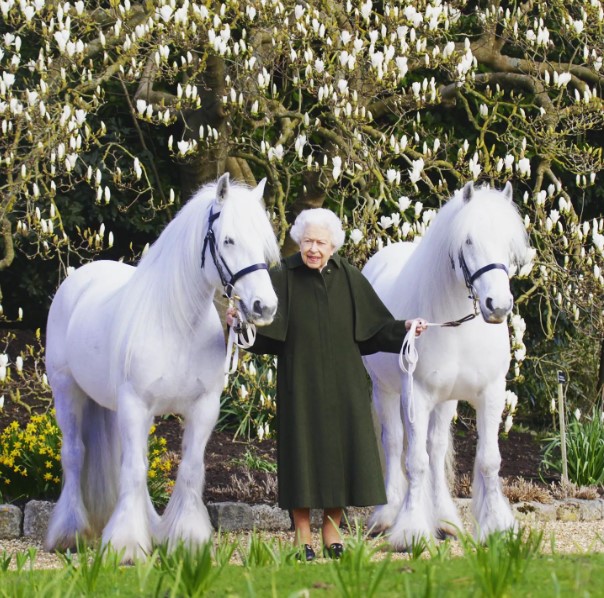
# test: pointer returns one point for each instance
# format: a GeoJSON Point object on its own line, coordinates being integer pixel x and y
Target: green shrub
{"type": "Point", "coordinates": [584, 450]}
{"type": "Point", "coordinates": [248, 402]}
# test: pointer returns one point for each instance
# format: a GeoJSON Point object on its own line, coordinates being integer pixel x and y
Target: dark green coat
{"type": "Point", "coordinates": [327, 450]}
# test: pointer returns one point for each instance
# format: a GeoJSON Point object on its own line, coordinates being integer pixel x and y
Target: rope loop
{"type": "Point", "coordinates": [241, 335]}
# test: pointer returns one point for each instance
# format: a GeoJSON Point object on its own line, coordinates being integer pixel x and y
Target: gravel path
{"type": "Point", "coordinates": [565, 537]}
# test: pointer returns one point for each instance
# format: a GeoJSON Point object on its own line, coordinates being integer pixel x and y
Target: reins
{"type": "Point", "coordinates": [408, 356]}
{"type": "Point", "coordinates": [236, 338]}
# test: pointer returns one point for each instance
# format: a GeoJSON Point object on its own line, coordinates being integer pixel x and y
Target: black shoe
{"type": "Point", "coordinates": [306, 553]}
{"type": "Point", "coordinates": [333, 551]}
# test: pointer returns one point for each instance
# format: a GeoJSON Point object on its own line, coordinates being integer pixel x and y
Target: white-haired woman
{"type": "Point", "coordinates": [328, 317]}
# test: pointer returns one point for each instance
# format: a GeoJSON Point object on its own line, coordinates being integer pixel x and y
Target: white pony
{"type": "Point", "coordinates": [125, 344]}
{"type": "Point", "coordinates": [464, 257]}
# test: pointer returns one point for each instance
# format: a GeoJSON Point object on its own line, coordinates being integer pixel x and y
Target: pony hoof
{"type": "Point", "coordinates": [376, 533]}
{"type": "Point", "coordinates": [443, 534]}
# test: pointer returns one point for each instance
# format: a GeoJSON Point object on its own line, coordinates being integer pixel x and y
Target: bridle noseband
{"type": "Point", "coordinates": [227, 278]}
{"type": "Point", "coordinates": [470, 278]}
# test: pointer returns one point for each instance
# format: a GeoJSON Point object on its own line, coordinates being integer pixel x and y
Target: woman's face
{"type": "Point", "coordinates": [316, 246]}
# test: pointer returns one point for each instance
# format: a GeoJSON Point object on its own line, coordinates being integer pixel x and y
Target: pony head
{"type": "Point", "coordinates": [239, 245]}
{"type": "Point", "coordinates": [488, 242]}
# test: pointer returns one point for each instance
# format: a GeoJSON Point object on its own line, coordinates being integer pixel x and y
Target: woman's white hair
{"type": "Point", "coordinates": [318, 217]}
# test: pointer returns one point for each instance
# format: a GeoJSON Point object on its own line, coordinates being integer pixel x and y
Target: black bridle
{"type": "Point", "coordinates": [227, 278]}
{"type": "Point", "coordinates": [470, 278]}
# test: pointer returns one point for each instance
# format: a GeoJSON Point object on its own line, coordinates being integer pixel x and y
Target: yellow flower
{"type": "Point", "coordinates": [48, 476]}
{"type": "Point", "coordinates": [48, 464]}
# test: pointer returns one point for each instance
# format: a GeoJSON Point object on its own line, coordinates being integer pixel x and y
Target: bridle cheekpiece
{"type": "Point", "coordinates": [227, 278]}
{"type": "Point", "coordinates": [470, 278]}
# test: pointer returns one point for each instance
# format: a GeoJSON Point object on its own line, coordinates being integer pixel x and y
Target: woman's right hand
{"type": "Point", "coordinates": [231, 316]}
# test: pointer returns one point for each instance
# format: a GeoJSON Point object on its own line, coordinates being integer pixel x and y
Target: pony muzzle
{"type": "Point", "coordinates": [260, 313]}
{"type": "Point", "coordinates": [493, 313]}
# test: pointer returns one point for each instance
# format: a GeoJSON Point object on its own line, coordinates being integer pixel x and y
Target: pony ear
{"type": "Point", "coordinates": [222, 187]}
{"type": "Point", "coordinates": [259, 190]}
{"type": "Point", "coordinates": [508, 191]}
{"type": "Point", "coordinates": [468, 191]}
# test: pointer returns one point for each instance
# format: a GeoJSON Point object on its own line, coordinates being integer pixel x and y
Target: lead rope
{"type": "Point", "coordinates": [407, 361]}
{"type": "Point", "coordinates": [236, 339]}
{"type": "Point", "coordinates": [408, 356]}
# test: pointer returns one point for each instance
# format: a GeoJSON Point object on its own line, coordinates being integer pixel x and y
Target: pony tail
{"type": "Point", "coordinates": [100, 482]}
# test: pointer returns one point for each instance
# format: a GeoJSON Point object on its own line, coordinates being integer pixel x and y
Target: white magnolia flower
{"type": "Point", "coordinates": [511, 400]}
{"type": "Point", "coordinates": [415, 172]}
{"type": "Point", "coordinates": [509, 420]}
{"type": "Point", "coordinates": [577, 414]}
{"type": "Point", "coordinates": [1, 402]}
{"type": "Point", "coordinates": [563, 79]}
{"type": "Point", "coordinates": [19, 363]}
{"type": "Point", "coordinates": [356, 236]}
{"type": "Point", "coordinates": [524, 167]}
{"type": "Point", "coordinates": [393, 176]}
{"type": "Point", "coordinates": [518, 324]}
{"type": "Point", "coordinates": [385, 222]}
{"type": "Point", "coordinates": [403, 203]}
{"type": "Point", "coordinates": [337, 167]}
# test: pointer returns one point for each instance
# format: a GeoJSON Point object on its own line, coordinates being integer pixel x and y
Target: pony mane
{"type": "Point", "coordinates": [168, 288]}
{"type": "Point", "coordinates": [488, 219]}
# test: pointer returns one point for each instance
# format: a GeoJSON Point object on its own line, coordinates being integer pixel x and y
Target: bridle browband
{"type": "Point", "coordinates": [227, 278]}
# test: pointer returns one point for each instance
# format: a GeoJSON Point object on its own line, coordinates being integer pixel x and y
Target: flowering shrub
{"type": "Point", "coordinates": [161, 464]}
{"type": "Point", "coordinates": [30, 461]}
{"type": "Point", "coordinates": [248, 402]}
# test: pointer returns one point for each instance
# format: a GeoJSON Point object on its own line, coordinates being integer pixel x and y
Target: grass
{"type": "Point", "coordinates": [254, 462]}
{"type": "Point", "coordinates": [511, 564]}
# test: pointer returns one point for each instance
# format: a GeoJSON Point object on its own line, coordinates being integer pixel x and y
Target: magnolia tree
{"type": "Point", "coordinates": [377, 110]}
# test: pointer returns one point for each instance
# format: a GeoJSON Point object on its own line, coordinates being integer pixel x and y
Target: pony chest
{"type": "Point", "coordinates": [462, 364]}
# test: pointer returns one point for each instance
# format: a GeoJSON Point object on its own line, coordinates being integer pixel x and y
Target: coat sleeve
{"type": "Point", "coordinates": [270, 339]}
{"type": "Point", "coordinates": [375, 328]}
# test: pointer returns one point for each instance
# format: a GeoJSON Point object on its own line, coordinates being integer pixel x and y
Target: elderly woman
{"type": "Point", "coordinates": [328, 317]}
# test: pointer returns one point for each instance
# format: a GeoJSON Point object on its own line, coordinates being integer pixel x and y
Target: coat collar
{"type": "Point", "coordinates": [295, 261]}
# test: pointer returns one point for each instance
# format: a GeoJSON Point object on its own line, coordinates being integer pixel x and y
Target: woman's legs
{"type": "Point", "coordinates": [331, 526]}
{"type": "Point", "coordinates": [301, 519]}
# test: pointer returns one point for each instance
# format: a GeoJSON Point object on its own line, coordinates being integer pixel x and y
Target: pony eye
{"type": "Point", "coordinates": [469, 241]}
{"type": "Point", "coordinates": [229, 241]}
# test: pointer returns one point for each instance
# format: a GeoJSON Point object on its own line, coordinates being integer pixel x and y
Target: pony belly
{"type": "Point", "coordinates": [170, 376]}
{"type": "Point", "coordinates": [88, 356]}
